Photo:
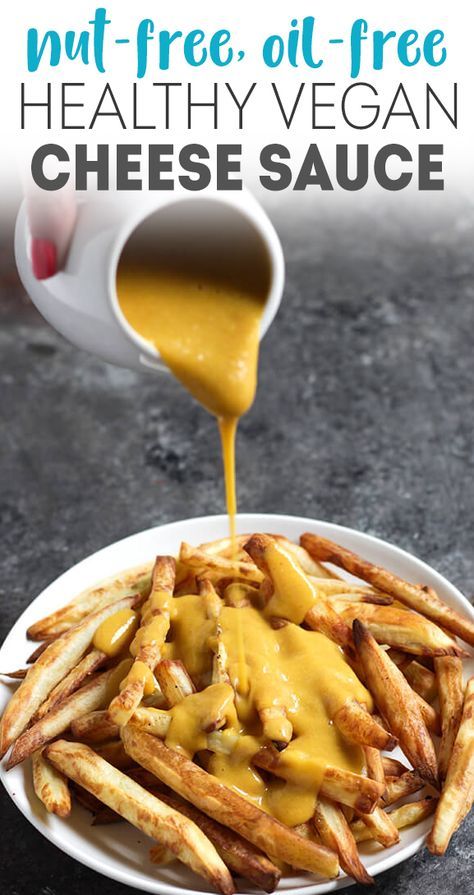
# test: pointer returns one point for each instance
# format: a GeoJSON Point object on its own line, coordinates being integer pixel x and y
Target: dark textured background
{"type": "Point", "coordinates": [364, 416]}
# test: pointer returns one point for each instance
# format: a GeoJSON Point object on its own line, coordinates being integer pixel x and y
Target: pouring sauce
{"type": "Point", "coordinates": [203, 315]}
{"type": "Point", "coordinates": [201, 307]}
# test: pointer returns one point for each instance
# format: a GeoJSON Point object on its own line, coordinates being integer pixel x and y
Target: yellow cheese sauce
{"type": "Point", "coordinates": [205, 325]}
{"type": "Point", "coordinates": [116, 632]}
{"type": "Point", "coordinates": [299, 670]}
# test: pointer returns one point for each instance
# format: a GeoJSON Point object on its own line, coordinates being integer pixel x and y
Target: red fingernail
{"type": "Point", "coordinates": [43, 258]}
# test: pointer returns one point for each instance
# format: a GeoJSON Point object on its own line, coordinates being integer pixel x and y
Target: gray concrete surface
{"type": "Point", "coordinates": [364, 416]}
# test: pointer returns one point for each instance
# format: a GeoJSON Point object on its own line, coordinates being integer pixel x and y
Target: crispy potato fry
{"type": "Point", "coordinates": [55, 662]}
{"type": "Point", "coordinates": [335, 833]}
{"type": "Point", "coordinates": [94, 727]}
{"type": "Point", "coordinates": [429, 714]}
{"type": "Point", "coordinates": [397, 703]}
{"type": "Point", "coordinates": [214, 605]}
{"type": "Point", "coordinates": [406, 816]}
{"type": "Point", "coordinates": [458, 791]}
{"type": "Point", "coordinates": [40, 649]}
{"type": "Point", "coordinates": [149, 640]}
{"type": "Point", "coordinates": [305, 560]}
{"type": "Point", "coordinates": [358, 726]}
{"type": "Point", "coordinates": [451, 696]}
{"type": "Point", "coordinates": [174, 680]}
{"type": "Point", "coordinates": [160, 855]}
{"type": "Point", "coordinates": [340, 588]}
{"type": "Point", "coordinates": [91, 696]}
{"type": "Point", "coordinates": [238, 854]}
{"type": "Point", "coordinates": [421, 600]}
{"type": "Point", "coordinates": [342, 600]}
{"type": "Point", "coordinates": [421, 679]}
{"type": "Point", "coordinates": [50, 786]}
{"type": "Point", "coordinates": [218, 566]}
{"type": "Point", "coordinates": [144, 811]}
{"type": "Point", "coordinates": [89, 663]}
{"type": "Point", "coordinates": [401, 628]}
{"type": "Point", "coordinates": [381, 827]}
{"type": "Point", "coordinates": [339, 785]}
{"type": "Point", "coordinates": [17, 675]}
{"type": "Point", "coordinates": [397, 788]}
{"type": "Point", "coordinates": [226, 806]}
{"type": "Point", "coordinates": [374, 764]}
{"type": "Point", "coordinates": [154, 721]}
{"type": "Point", "coordinates": [321, 616]}
{"type": "Point", "coordinates": [275, 724]}
{"type": "Point", "coordinates": [111, 590]}
{"type": "Point", "coordinates": [392, 767]}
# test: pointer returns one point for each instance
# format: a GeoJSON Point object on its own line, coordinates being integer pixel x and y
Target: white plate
{"type": "Point", "coordinates": [119, 851]}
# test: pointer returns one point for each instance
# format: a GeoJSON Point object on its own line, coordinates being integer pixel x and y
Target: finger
{"type": "Point", "coordinates": [51, 221]}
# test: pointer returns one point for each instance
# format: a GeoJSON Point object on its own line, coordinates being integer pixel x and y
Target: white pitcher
{"type": "Point", "coordinates": [80, 301]}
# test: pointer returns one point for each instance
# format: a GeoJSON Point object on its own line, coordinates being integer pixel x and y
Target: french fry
{"type": "Point", "coordinates": [358, 726]}
{"type": "Point", "coordinates": [451, 696]}
{"type": "Point", "coordinates": [91, 696]}
{"type": "Point", "coordinates": [340, 588]}
{"type": "Point", "coordinates": [342, 600]}
{"type": "Point", "coordinates": [397, 788]}
{"type": "Point", "coordinates": [17, 675]}
{"type": "Point", "coordinates": [238, 854]}
{"type": "Point", "coordinates": [392, 767]}
{"type": "Point", "coordinates": [50, 786]}
{"type": "Point", "coordinates": [425, 601]}
{"type": "Point", "coordinates": [94, 727]}
{"type": "Point", "coordinates": [111, 590]}
{"type": "Point", "coordinates": [406, 816]}
{"type": "Point", "coordinates": [275, 724]}
{"type": "Point", "coordinates": [421, 679]}
{"type": "Point", "coordinates": [374, 764]}
{"type": "Point", "coordinates": [397, 703]}
{"type": "Point", "coordinates": [144, 811]}
{"type": "Point", "coordinates": [40, 649]}
{"type": "Point", "coordinates": [218, 566]}
{"type": "Point", "coordinates": [54, 663]}
{"type": "Point", "coordinates": [213, 610]}
{"type": "Point", "coordinates": [335, 833]}
{"type": "Point", "coordinates": [160, 855]}
{"type": "Point", "coordinates": [305, 560]}
{"type": "Point", "coordinates": [429, 714]}
{"type": "Point", "coordinates": [381, 827]}
{"type": "Point", "coordinates": [154, 721]}
{"type": "Point", "coordinates": [339, 785]}
{"type": "Point", "coordinates": [458, 791]}
{"type": "Point", "coordinates": [226, 806]}
{"type": "Point", "coordinates": [401, 628]}
{"type": "Point", "coordinates": [149, 640]}
{"type": "Point", "coordinates": [321, 616]}
{"type": "Point", "coordinates": [174, 680]}
{"type": "Point", "coordinates": [89, 663]}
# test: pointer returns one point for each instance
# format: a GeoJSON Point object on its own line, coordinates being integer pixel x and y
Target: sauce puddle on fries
{"type": "Point", "coordinates": [203, 315]}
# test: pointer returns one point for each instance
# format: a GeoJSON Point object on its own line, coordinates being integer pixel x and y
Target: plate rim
{"type": "Point", "coordinates": [108, 867]}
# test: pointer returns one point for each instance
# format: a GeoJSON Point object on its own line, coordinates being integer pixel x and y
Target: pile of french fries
{"type": "Point", "coordinates": [93, 734]}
